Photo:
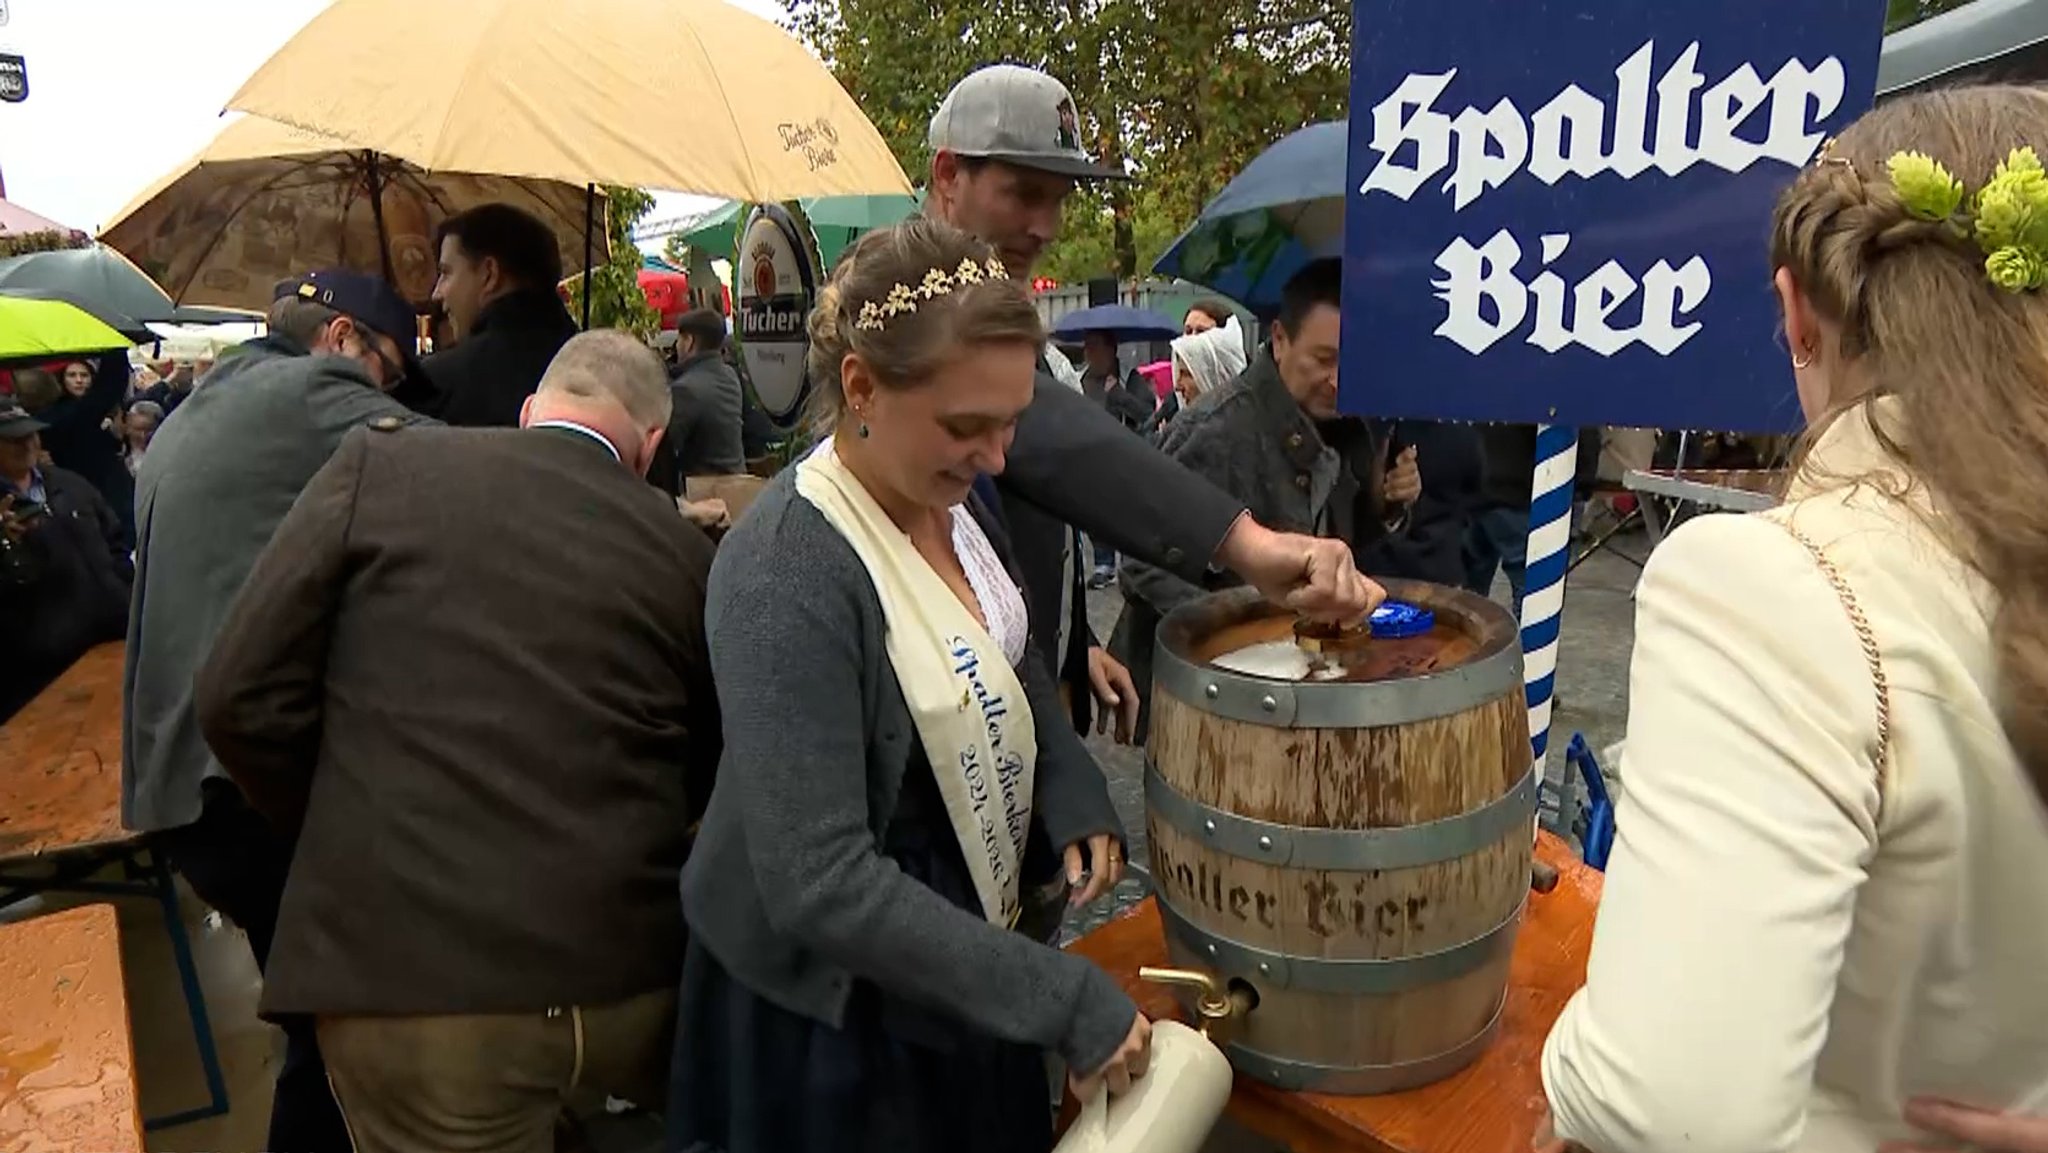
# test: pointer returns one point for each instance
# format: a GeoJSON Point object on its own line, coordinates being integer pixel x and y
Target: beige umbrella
{"type": "Point", "coordinates": [684, 95]}
{"type": "Point", "coordinates": [266, 201]}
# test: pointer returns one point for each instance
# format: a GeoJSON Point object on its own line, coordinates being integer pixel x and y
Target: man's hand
{"type": "Point", "coordinates": [1982, 1129]}
{"type": "Point", "coordinates": [1404, 479]}
{"type": "Point", "coordinates": [1314, 576]}
{"type": "Point", "coordinates": [707, 514]}
{"type": "Point", "coordinates": [13, 525]}
{"type": "Point", "coordinates": [1105, 867]}
{"type": "Point", "coordinates": [1115, 695]}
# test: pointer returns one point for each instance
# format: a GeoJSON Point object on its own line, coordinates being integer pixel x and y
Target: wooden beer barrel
{"type": "Point", "coordinates": [1355, 850]}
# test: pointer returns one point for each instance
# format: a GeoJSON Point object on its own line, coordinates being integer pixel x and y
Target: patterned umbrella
{"type": "Point", "coordinates": [265, 201]}
{"type": "Point", "coordinates": [1285, 209]}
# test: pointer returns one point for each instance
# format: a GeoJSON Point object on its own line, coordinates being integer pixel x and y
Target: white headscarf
{"type": "Point", "coordinates": [1213, 358]}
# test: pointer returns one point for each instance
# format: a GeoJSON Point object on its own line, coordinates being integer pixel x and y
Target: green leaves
{"type": "Point", "coordinates": [615, 297]}
{"type": "Point", "coordinates": [49, 240]}
{"type": "Point", "coordinates": [1187, 93]}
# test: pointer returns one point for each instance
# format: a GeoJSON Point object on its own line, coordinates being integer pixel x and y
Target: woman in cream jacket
{"type": "Point", "coordinates": [1829, 896]}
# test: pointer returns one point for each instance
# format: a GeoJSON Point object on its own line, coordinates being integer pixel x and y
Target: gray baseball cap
{"type": "Point", "coordinates": [1019, 116]}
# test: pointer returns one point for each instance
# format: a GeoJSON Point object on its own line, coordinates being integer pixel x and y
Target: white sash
{"type": "Point", "coordinates": [964, 697]}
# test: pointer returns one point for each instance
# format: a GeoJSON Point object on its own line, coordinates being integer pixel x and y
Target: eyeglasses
{"type": "Point", "coordinates": [392, 370]}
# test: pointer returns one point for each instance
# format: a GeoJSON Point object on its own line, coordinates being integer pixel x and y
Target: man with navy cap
{"type": "Point", "coordinates": [218, 479]}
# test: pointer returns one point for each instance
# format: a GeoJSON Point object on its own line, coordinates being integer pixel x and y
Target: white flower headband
{"type": "Point", "coordinates": [902, 298]}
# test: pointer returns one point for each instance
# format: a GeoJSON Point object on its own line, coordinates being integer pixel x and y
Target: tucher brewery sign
{"type": "Point", "coordinates": [13, 78]}
{"type": "Point", "coordinates": [775, 289]}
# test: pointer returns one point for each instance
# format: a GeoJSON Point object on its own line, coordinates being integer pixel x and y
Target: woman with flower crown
{"type": "Point", "coordinates": [1825, 925]}
{"type": "Point", "coordinates": [854, 979]}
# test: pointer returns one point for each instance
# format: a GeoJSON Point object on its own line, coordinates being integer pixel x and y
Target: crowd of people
{"type": "Point", "coordinates": [522, 788]}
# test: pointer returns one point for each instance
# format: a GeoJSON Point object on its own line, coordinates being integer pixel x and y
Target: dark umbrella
{"type": "Point", "coordinates": [1128, 325]}
{"type": "Point", "coordinates": [101, 279]}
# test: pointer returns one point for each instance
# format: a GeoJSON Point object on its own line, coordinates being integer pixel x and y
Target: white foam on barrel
{"type": "Point", "coordinates": [1274, 660]}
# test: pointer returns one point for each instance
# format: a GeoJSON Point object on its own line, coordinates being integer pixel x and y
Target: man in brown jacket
{"type": "Point", "coordinates": [470, 672]}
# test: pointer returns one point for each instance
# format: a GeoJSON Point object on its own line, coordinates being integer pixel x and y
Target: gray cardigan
{"type": "Point", "coordinates": [786, 885]}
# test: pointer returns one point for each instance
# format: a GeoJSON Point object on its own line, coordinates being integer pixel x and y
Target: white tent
{"type": "Point", "coordinates": [192, 342]}
{"type": "Point", "coordinates": [1985, 40]}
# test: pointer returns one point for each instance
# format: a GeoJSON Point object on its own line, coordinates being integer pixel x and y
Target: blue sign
{"type": "Point", "coordinates": [1560, 211]}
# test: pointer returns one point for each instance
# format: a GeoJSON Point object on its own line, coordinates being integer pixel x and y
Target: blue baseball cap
{"type": "Point", "coordinates": [366, 299]}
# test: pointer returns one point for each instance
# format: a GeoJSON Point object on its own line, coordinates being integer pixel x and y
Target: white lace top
{"type": "Point", "coordinates": [1002, 605]}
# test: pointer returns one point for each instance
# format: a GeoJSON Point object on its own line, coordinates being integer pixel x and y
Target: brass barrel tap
{"type": "Point", "coordinates": [1219, 1008]}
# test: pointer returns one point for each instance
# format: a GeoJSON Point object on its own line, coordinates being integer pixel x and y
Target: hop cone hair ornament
{"type": "Point", "coordinates": [2007, 218]}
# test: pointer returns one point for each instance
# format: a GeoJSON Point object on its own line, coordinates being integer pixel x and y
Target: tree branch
{"type": "Point", "coordinates": [1269, 27]}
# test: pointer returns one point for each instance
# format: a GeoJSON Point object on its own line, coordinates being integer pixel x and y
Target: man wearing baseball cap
{"type": "Point", "coordinates": [1006, 153]}
{"type": "Point", "coordinates": [219, 476]}
{"type": "Point", "coordinates": [63, 564]}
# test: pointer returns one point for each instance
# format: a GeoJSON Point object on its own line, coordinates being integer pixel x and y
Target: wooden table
{"type": "Point", "coordinates": [67, 1066]}
{"type": "Point", "coordinates": [60, 763]}
{"type": "Point", "coordinates": [60, 829]}
{"type": "Point", "coordinates": [1491, 1107]}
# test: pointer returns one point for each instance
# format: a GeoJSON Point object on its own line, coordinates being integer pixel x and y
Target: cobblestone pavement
{"type": "Point", "coordinates": [1592, 678]}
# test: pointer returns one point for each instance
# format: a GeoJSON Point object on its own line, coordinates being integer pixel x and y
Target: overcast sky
{"type": "Point", "coordinates": [121, 91]}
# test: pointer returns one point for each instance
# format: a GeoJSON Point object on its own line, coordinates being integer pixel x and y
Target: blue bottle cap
{"type": "Point", "coordinates": [1395, 619]}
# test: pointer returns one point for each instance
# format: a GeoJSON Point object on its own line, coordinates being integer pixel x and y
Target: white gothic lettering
{"type": "Point", "coordinates": [1671, 123]}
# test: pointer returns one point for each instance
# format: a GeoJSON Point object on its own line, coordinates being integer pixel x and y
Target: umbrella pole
{"type": "Point", "coordinates": [589, 217]}
{"type": "Point", "coordinates": [377, 215]}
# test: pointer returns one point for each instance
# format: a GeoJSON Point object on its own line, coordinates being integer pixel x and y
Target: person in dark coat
{"type": "Point", "coordinates": [79, 438]}
{"type": "Point", "coordinates": [704, 435]}
{"type": "Point", "coordinates": [499, 268]}
{"type": "Point", "coordinates": [1397, 494]}
{"type": "Point", "coordinates": [491, 794]}
{"type": "Point", "coordinates": [1497, 539]}
{"type": "Point", "coordinates": [64, 565]}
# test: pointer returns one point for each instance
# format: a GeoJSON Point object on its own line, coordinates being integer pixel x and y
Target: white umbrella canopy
{"type": "Point", "coordinates": [572, 91]}
{"type": "Point", "coordinates": [265, 201]}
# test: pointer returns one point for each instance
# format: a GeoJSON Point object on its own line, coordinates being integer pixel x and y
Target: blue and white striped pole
{"type": "Point", "coordinates": [1550, 546]}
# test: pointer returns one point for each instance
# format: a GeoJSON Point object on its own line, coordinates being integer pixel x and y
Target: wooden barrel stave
{"type": "Point", "coordinates": [1434, 934]}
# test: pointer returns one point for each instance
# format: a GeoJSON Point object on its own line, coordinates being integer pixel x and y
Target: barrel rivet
{"type": "Point", "coordinates": [1211, 691]}
{"type": "Point", "coordinates": [1269, 704]}
{"type": "Point", "coordinates": [1265, 970]}
{"type": "Point", "coordinates": [1209, 827]}
{"type": "Point", "coordinates": [1212, 950]}
{"type": "Point", "coordinates": [1266, 844]}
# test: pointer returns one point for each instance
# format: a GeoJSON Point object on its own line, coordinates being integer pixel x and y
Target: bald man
{"type": "Point", "coordinates": [470, 673]}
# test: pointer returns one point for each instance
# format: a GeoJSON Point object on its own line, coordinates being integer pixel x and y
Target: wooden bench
{"type": "Point", "coordinates": [60, 828]}
{"type": "Point", "coordinates": [60, 763]}
{"type": "Point", "coordinates": [1491, 1107]}
{"type": "Point", "coordinates": [67, 1064]}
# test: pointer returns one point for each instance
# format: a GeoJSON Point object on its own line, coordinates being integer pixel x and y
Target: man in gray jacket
{"type": "Point", "coordinates": [219, 477]}
{"type": "Point", "coordinates": [704, 434]}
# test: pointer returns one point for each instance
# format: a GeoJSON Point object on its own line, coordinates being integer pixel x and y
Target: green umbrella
{"type": "Point", "coordinates": [860, 213]}
{"type": "Point", "coordinates": [31, 328]}
{"type": "Point", "coordinates": [716, 232]}
{"type": "Point", "coordinates": [837, 221]}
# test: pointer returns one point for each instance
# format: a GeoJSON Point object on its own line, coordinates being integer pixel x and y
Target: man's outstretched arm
{"type": "Point", "coordinates": [1072, 459]}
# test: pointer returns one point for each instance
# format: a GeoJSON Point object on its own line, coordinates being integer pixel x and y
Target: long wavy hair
{"type": "Point", "coordinates": [1966, 360]}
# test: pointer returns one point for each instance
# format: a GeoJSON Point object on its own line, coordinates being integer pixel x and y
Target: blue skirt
{"type": "Point", "coordinates": [752, 1077]}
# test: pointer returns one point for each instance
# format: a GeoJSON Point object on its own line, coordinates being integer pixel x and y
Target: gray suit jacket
{"type": "Point", "coordinates": [786, 885]}
{"type": "Point", "coordinates": [219, 477]}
